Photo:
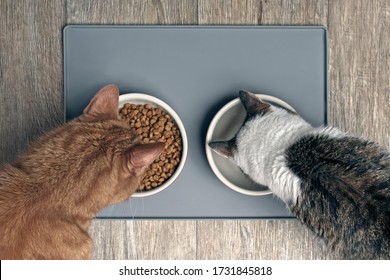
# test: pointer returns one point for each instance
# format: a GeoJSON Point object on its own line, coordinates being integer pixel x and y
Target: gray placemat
{"type": "Point", "coordinates": [196, 70]}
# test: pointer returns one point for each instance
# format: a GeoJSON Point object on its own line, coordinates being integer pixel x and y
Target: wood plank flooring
{"type": "Point", "coordinates": [31, 103]}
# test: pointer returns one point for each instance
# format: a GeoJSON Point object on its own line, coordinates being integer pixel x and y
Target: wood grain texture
{"type": "Point", "coordinates": [30, 72]}
{"type": "Point", "coordinates": [294, 12]}
{"type": "Point", "coordinates": [144, 239]}
{"type": "Point", "coordinates": [359, 42]}
{"type": "Point", "coordinates": [264, 239]}
{"type": "Point", "coordinates": [240, 12]}
{"type": "Point", "coordinates": [132, 12]}
{"type": "Point", "coordinates": [31, 103]}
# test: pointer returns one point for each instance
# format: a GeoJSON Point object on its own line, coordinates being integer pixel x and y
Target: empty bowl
{"type": "Point", "coordinates": [224, 126]}
{"type": "Point", "coordinates": [139, 99]}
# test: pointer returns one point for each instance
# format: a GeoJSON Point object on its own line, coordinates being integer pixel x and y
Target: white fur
{"type": "Point", "coordinates": [285, 184]}
{"type": "Point", "coordinates": [261, 144]}
{"type": "Point", "coordinates": [332, 132]}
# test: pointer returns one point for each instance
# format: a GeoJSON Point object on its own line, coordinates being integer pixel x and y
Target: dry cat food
{"type": "Point", "coordinates": [155, 125]}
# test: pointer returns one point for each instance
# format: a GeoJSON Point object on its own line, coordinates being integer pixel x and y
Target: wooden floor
{"type": "Point", "coordinates": [31, 103]}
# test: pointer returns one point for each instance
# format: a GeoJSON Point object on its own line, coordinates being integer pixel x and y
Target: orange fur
{"type": "Point", "coordinates": [50, 195]}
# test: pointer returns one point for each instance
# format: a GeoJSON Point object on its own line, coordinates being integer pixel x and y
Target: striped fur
{"type": "Point", "coordinates": [337, 185]}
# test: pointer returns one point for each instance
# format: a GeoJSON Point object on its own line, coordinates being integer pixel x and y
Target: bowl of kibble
{"type": "Point", "coordinates": [155, 121]}
{"type": "Point", "coordinates": [224, 126]}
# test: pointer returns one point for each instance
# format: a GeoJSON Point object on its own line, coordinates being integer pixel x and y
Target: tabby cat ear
{"type": "Point", "coordinates": [141, 156]}
{"type": "Point", "coordinates": [103, 106]}
{"type": "Point", "coordinates": [252, 104]}
{"type": "Point", "coordinates": [224, 148]}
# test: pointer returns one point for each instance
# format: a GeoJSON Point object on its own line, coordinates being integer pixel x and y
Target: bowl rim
{"type": "Point", "coordinates": [147, 98]}
{"type": "Point", "coordinates": [210, 130]}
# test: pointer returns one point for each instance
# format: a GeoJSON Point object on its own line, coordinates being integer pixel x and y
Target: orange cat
{"type": "Point", "coordinates": [50, 195]}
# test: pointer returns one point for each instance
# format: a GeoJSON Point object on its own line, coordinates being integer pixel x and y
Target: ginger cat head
{"type": "Point", "coordinates": [91, 162]}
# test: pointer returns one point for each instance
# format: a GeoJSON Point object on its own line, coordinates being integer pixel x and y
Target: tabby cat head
{"type": "Point", "coordinates": [255, 144]}
{"type": "Point", "coordinates": [254, 107]}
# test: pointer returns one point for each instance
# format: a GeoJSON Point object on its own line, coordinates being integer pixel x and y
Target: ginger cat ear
{"type": "Point", "coordinates": [252, 104]}
{"type": "Point", "coordinates": [141, 156]}
{"type": "Point", "coordinates": [224, 148]}
{"type": "Point", "coordinates": [103, 106]}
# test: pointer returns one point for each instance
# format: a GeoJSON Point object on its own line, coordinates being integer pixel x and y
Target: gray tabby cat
{"type": "Point", "coordinates": [338, 185]}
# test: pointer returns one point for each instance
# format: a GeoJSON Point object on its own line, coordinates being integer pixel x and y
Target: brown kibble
{"type": "Point", "coordinates": [152, 125]}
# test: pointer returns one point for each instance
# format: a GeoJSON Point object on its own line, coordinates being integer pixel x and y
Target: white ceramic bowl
{"type": "Point", "coordinates": [224, 126]}
{"type": "Point", "coordinates": [141, 98]}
